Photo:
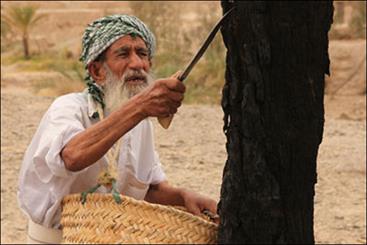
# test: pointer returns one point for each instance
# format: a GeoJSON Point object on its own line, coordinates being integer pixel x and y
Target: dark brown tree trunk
{"type": "Point", "coordinates": [25, 46]}
{"type": "Point", "coordinates": [277, 56]}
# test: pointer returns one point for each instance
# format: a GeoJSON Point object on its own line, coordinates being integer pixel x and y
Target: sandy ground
{"type": "Point", "coordinates": [193, 154]}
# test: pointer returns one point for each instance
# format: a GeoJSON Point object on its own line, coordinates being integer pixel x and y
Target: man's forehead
{"type": "Point", "coordinates": [128, 41]}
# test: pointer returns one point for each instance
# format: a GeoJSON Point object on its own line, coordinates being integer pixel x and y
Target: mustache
{"type": "Point", "coordinates": [131, 75]}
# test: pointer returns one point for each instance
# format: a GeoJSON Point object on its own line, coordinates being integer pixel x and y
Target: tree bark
{"type": "Point", "coordinates": [277, 56]}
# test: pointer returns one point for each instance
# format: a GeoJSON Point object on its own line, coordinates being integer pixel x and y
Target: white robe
{"type": "Point", "coordinates": [44, 180]}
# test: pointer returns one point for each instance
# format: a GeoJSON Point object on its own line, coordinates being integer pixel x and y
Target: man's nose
{"type": "Point", "coordinates": [135, 62]}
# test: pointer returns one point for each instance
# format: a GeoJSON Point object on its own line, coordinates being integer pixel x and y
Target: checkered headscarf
{"type": "Point", "coordinates": [102, 33]}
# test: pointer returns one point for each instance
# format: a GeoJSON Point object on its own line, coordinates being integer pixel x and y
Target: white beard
{"type": "Point", "coordinates": [118, 90]}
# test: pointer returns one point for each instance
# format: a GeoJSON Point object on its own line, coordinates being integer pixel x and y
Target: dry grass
{"type": "Point", "coordinates": [178, 39]}
{"type": "Point", "coordinates": [53, 89]}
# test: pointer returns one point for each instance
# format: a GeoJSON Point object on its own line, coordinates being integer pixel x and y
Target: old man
{"type": "Point", "coordinates": [83, 134]}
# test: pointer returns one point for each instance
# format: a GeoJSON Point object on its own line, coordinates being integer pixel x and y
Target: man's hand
{"type": "Point", "coordinates": [163, 193]}
{"type": "Point", "coordinates": [196, 203]}
{"type": "Point", "coordinates": [163, 97]}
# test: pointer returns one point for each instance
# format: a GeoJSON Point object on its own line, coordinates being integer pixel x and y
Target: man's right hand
{"type": "Point", "coordinates": [163, 97]}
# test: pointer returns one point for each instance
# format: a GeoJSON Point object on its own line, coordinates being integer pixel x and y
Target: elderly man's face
{"type": "Point", "coordinates": [128, 53]}
{"type": "Point", "coordinates": [123, 72]}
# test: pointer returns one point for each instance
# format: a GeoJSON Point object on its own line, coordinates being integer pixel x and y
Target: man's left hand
{"type": "Point", "coordinates": [165, 194]}
{"type": "Point", "coordinates": [196, 203]}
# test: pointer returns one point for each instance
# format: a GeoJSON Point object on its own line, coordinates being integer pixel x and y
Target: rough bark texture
{"type": "Point", "coordinates": [277, 56]}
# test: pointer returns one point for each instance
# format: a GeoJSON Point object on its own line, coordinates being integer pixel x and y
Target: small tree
{"type": "Point", "coordinates": [22, 19]}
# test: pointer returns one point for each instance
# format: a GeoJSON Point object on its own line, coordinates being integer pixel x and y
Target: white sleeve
{"type": "Point", "coordinates": [141, 155]}
{"type": "Point", "coordinates": [60, 124]}
{"type": "Point", "coordinates": [158, 174]}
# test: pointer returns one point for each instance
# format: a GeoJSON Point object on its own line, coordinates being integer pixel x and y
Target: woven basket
{"type": "Point", "coordinates": [102, 220]}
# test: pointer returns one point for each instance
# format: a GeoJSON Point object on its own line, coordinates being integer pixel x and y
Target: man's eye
{"type": "Point", "coordinates": [143, 54]}
{"type": "Point", "coordinates": [123, 54]}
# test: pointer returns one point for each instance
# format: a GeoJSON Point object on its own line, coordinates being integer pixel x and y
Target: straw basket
{"type": "Point", "coordinates": [102, 220]}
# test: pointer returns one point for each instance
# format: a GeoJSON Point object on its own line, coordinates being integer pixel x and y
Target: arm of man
{"type": "Point", "coordinates": [161, 99]}
{"type": "Point", "coordinates": [164, 193]}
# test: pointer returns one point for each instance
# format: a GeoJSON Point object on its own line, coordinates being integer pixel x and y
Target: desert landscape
{"type": "Point", "coordinates": [192, 150]}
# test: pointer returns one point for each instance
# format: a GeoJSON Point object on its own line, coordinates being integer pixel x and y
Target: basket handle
{"type": "Point", "coordinates": [115, 193]}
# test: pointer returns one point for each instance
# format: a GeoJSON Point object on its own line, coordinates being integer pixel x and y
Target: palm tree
{"type": "Point", "coordinates": [22, 19]}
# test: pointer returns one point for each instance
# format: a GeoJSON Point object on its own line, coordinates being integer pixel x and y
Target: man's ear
{"type": "Point", "coordinates": [97, 71]}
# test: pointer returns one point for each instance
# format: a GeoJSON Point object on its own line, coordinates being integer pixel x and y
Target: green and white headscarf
{"type": "Point", "coordinates": [101, 34]}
